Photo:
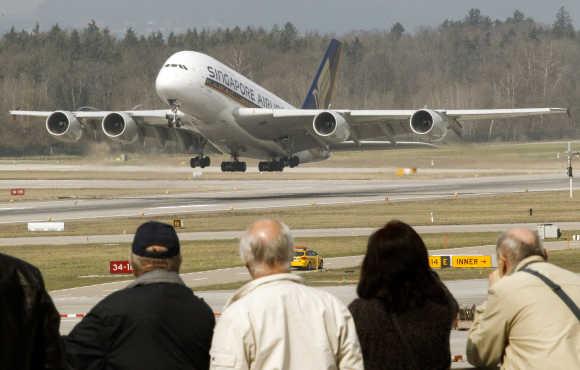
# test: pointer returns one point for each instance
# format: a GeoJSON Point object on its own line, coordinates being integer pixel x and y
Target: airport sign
{"type": "Point", "coordinates": [17, 192]}
{"type": "Point", "coordinates": [471, 261]}
{"type": "Point", "coordinates": [467, 261]}
{"type": "Point", "coordinates": [120, 267]}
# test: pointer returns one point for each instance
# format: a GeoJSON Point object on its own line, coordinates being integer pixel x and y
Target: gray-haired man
{"type": "Point", "coordinates": [276, 322]}
{"type": "Point", "coordinates": [530, 318]}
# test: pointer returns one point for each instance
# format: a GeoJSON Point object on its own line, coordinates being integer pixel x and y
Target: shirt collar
{"type": "Point", "coordinates": [157, 276]}
{"type": "Point", "coordinates": [527, 261]}
{"type": "Point", "coordinates": [249, 287]}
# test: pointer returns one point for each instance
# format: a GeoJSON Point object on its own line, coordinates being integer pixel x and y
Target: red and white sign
{"type": "Point", "coordinates": [120, 267]}
{"type": "Point", "coordinates": [17, 192]}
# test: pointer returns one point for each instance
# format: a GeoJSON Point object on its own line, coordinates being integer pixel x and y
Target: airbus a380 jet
{"type": "Point", "coordinates": [214, 108]}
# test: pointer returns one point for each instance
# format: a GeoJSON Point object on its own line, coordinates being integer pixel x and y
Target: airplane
{"type": "Point", "coordinates": [213, 108]}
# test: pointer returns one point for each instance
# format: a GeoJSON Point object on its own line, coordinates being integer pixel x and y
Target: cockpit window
{"type": "Point", "coordinates": [181, 66]}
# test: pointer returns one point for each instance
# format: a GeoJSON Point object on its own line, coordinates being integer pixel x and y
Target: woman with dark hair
{"type": "Point", "coordinates": [404, 313]}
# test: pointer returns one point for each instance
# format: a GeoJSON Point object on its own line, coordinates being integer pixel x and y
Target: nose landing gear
{"type": "Point", "coordinates": [173, 119]}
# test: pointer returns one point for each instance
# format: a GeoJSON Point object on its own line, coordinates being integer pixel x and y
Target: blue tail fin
{"type": "Point", "coordinates": [322, 87]}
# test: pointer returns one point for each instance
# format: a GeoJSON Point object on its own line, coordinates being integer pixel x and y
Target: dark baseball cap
{"type": "Point", "coordinates": [155, 233]}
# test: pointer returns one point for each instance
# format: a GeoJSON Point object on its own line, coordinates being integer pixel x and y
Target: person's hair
{"type": "Point", "coordinates": [256, 250]}
{"type": "Point", "coordinates": [396, 270]}
{"type": "Point", "coordinates": [145, 264]}
{"type": "Point", "coordinates": [515, 250]}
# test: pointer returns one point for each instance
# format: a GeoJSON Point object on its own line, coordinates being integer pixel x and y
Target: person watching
{"type": "Point", "coordinates": [404, 313]}
{"type": "Point", "coordinates": [531, 318]}
{"type": "Point", "coordinates": [156, 322]}
{"type": "Point", "coordinates": [275, 321]}
{"type": "Point", "coordinates": [29, 321]}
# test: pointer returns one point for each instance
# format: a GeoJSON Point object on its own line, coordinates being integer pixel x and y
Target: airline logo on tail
{"type": "Point", "coordinates": [322, 87]}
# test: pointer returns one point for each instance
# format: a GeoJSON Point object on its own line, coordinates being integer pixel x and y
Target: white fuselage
{"type": "Point", "coordinates": [209, 93]}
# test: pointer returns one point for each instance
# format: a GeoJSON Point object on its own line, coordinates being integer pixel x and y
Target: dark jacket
{"type": "Point", "coordinates": [155, 323]}
{"type": "Point", "coordinates": [29, 322]}
{"type": "Point", "coordinates": [425, 329]}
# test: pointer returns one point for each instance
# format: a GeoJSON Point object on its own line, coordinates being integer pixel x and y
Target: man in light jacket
{"type": "Point", "coordinates": [275, 321]}
{"type": "Point", "coordinates": [525, 323]}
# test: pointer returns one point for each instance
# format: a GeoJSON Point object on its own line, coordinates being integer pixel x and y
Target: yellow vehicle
{"type": "Point", "coordinates": [306, 259]}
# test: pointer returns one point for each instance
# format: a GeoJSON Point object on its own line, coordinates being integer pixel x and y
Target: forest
{"type": "Point", "coordinates": [474, 62]}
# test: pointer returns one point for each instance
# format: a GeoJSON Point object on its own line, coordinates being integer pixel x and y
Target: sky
{"type": "Point", "coordinates": [326, 16]}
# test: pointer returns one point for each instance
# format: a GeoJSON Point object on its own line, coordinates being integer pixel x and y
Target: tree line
{"type": "Point", "coordinates": [474, 62]}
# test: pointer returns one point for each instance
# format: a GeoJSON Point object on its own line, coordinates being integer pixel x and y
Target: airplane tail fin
{"type": "Point", "coordinates": [322, 88]}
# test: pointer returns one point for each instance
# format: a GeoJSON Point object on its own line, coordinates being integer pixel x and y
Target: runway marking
{"type": "Point", "coordinates": [101, 276]}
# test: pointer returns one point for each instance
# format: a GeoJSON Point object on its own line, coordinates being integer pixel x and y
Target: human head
{"type": "Point", "coordinates": [267, 248]}
{"type": "Point", "coordinates": [396, 269]}
{"type": "Point", "coordinates": [515, 245]}
{"type": "Point", "coordinates": [155, 247]}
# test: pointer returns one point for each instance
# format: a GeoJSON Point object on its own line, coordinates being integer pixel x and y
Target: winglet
{"type": "Point", "coordinates": [322, 87]}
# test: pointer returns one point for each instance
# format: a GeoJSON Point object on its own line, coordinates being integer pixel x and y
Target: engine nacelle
{"type": "Point", "coordinates": [64, 126]}
{"type": "Point", "coordinates": [430, 123]}
{"type": "Point", "coordinates": [120, 127]}
{"type": "Point", "coordinates": [331, 127]}
{"type": "Point", "coordinates": [312, 155]}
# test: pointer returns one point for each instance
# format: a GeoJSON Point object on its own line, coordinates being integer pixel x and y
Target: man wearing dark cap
{"type": "Point", "coordinates": [156, 322]}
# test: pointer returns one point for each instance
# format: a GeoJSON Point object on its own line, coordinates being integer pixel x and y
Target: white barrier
{"type": "Point", "coordinates": [46, 226]}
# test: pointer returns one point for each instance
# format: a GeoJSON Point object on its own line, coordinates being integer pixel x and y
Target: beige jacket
{"type": "Point", "coordinates": [525, 325]}
{"type": "Point", "coordinates": [276, 322]}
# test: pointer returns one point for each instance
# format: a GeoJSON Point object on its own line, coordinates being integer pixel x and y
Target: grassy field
{"type": "Point", "coordinates": [535, 155]}
{"type": "Point", "coordinates": [568, 259]}
{"type": "Point", "coordinates": [511, 208]}
{"type": "Point", "coordinates": [69, 266]}
{"type": "Point", "coordinates": [88, 193]}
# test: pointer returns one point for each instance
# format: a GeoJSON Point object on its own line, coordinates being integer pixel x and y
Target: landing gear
{"type": "Point", "coordinates": [173, 119]}
{"type": "Point", "coordinates": [293, 161]}
{"type": "Point", "coordinates": [273, 166]}
{"type": "Point", "coordinates": [199, 161]}
{"type": "Point", "coordinates": [278, 165]}
{"type": "Point", "coordinates": [235, 166]}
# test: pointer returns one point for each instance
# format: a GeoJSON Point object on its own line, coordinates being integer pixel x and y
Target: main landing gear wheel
{"type": "Point", "coordinates": [278, 165]}
{"type": "Point", "coordinates": [199, 162]}
{"type": "Point", "coordinates": [235, 166]}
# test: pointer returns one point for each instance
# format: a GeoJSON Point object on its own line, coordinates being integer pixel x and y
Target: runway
{"type": "Point", "coordinates": [299, 233]}
{"type": "Point", "coordinates": [260, 194]}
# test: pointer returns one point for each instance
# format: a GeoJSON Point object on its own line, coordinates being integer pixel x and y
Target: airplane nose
{"type": "Point", "coordinates": [170, 85]}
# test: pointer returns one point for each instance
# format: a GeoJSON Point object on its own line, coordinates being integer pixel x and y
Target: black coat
{"type": "Point", "coordinates": [154, 326]}
{"type": "Point", "coordinates": [426, 331]}
{"type": "Point", "coordinates": [29, 322]}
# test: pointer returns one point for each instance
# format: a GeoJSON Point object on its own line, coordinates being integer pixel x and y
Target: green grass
{"type": "Point", "coordinates": [533, 155]}
{"type": "Point", "coordinates": [568, 259]}
{"type": "Point", "coordinates": [510, 208]}
{"type": "Point", "coordinates": [64, 266]}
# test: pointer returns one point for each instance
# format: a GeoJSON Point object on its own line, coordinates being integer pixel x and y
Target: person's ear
{"type": "Point", "coordinates": [502, 265]}
{"type": "Point", "coordinates": [250, 270]}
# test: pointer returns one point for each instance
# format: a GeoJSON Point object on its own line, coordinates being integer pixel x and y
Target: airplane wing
{"type": "Point", "coordinates": [149, 117]}
{"type": "Point", "coordinates": [262, 116]}
{"type": "Point", "coordinates": [126, 127]}
{"type": "Point", "coordinates": [370, 124]}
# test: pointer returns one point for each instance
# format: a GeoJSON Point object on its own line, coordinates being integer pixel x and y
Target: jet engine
{"type": "Point", "coordinates": [64, 126]}
{"type": "Point", "coordinates": [331, 127]}
{"type": "Point", "coordinates": [430, 123]}
{"type": "Point", "coordinates": [120, 127]}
